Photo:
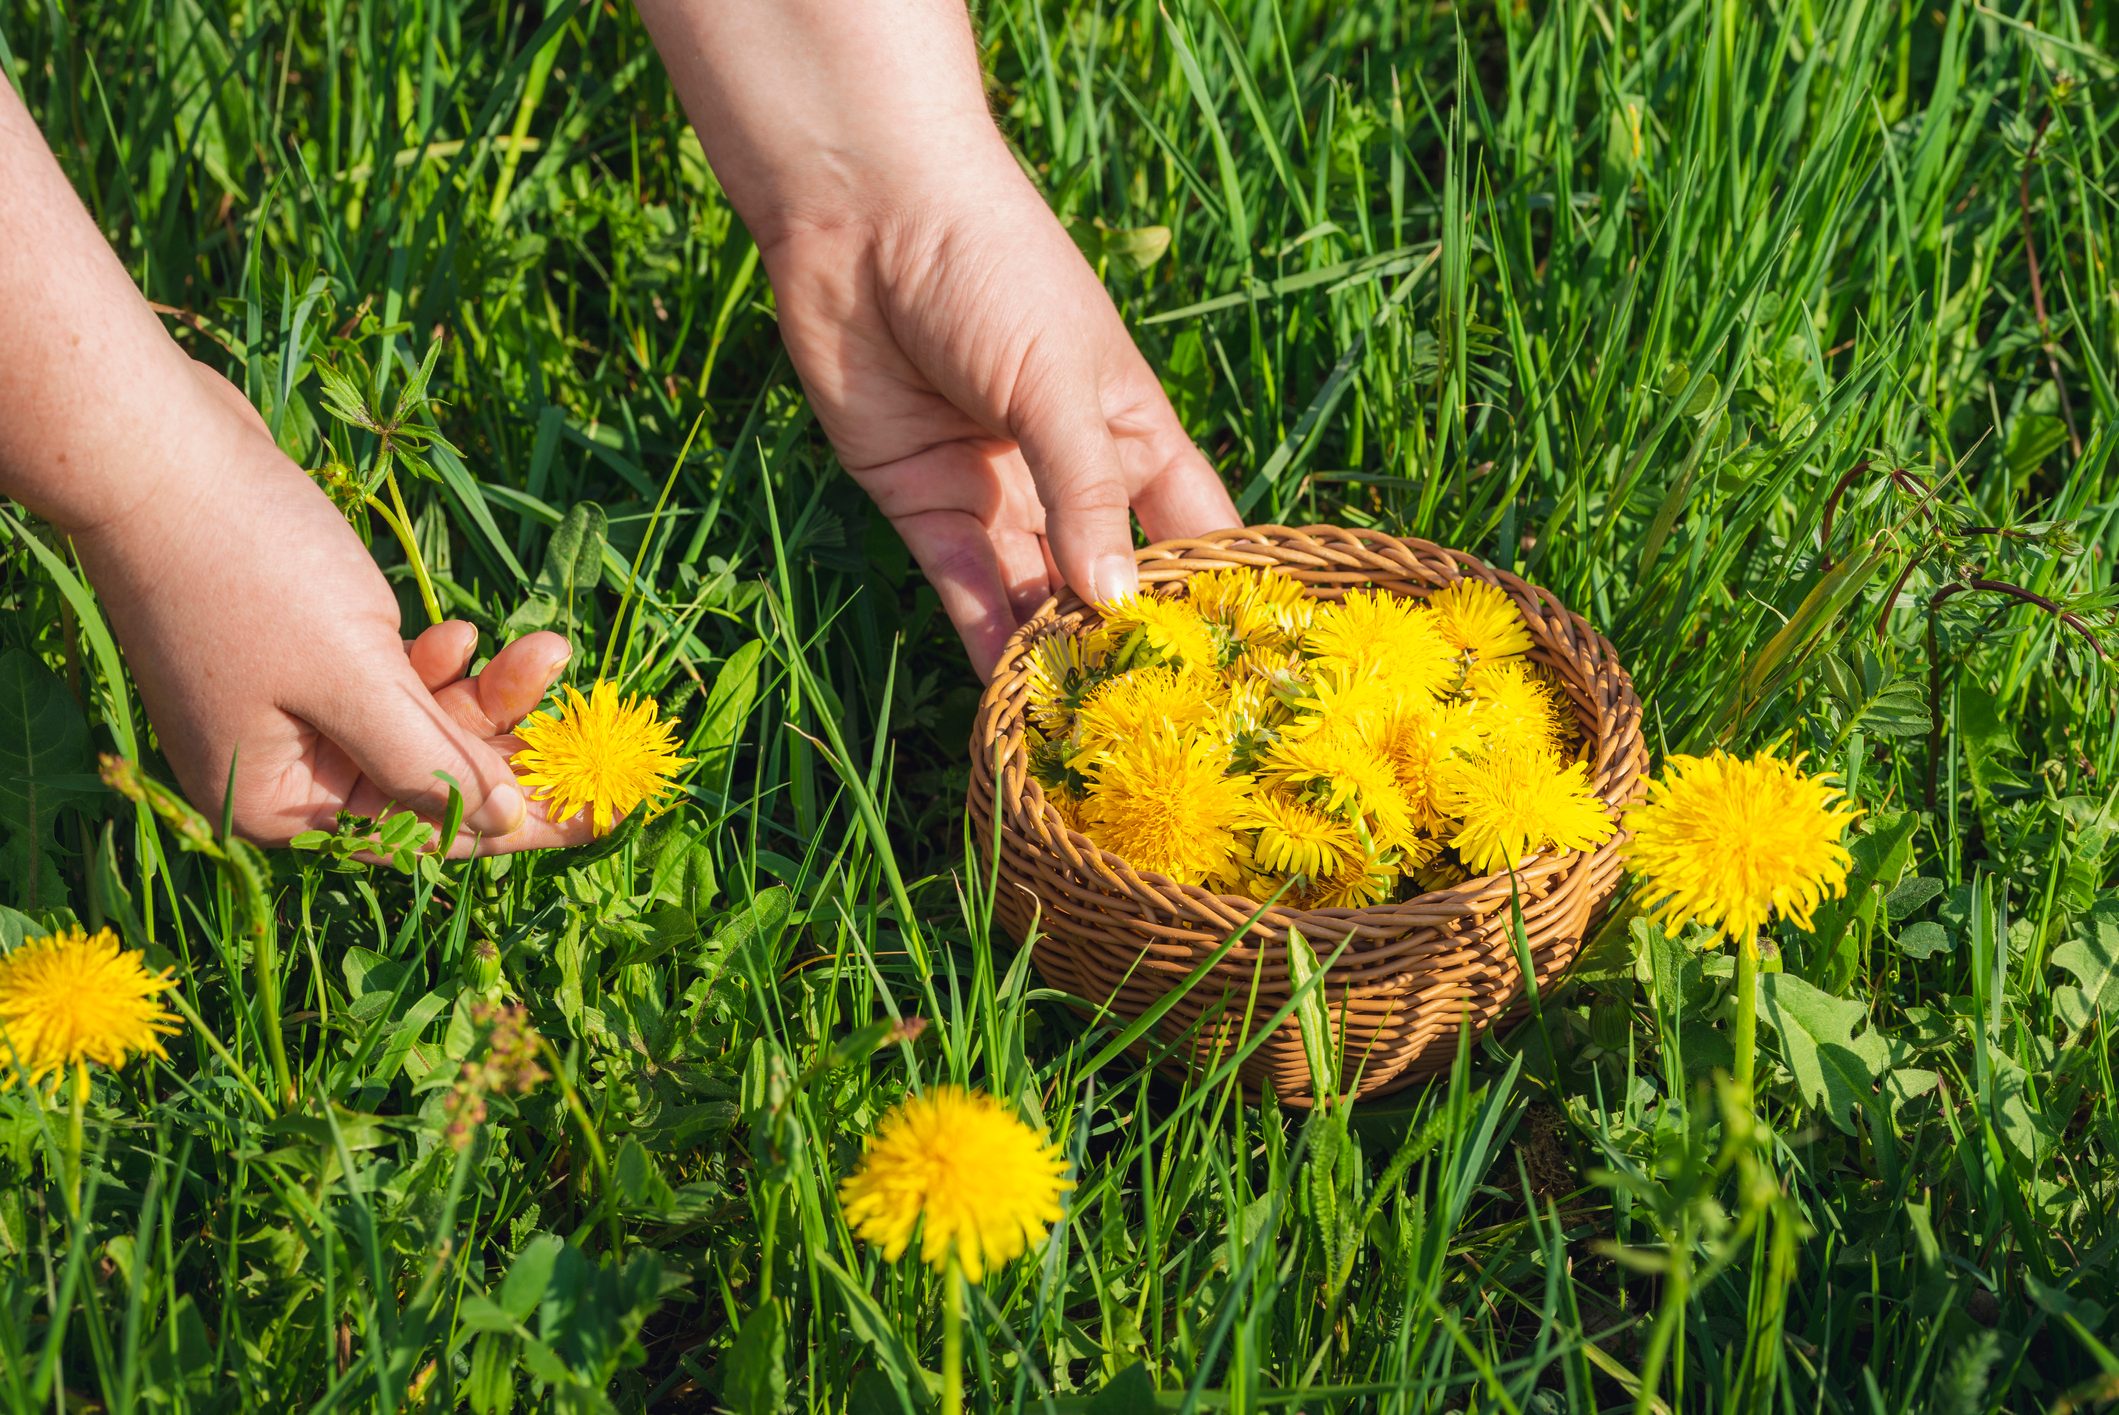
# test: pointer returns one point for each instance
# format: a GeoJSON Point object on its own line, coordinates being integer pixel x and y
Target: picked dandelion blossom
{"type": "Point", "coordinates": [1295, 838]}
{"type": "Point", "coordinates": [1166, 802]}
{"type": "Point", "coordinates": [1732, 842]}
{"type": "Point", "coordinates": [961, 1168]}
{"type": "Point", "coordinates": [1123, 710]}
{"type": "Point", "coordinates": [1512, 803]}
{"type": "Point", "coordinates": [1158, 630]}
{"type": "Point", "coordinates": [1479, 619]}
{"type": "Point", "coordinates": [71, 998]}
{"type": "Point", "coordinates": [1371, 634]}
{"type": "Point", "coordinates": [604, 753]}
{"type": "Point", "coordinates": [1517, 709]}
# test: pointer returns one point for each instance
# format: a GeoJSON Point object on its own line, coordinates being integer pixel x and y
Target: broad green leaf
{"type": "Point", "coordinates": [491, 1386]}
{"type": "Point", "coordinates": [2015, 1119]}
{"type": "Point", "coordinates": [728, 706]}
{"type": "Point", "coordinates": [2093, 959]}
{"type": "Point", "coordinates": [528, 1276]}
{"type": "Point", "coordinates": [754, 928]}
{"type": "Point", "coordinates": [1912, 895]}
{"type": "Point", "coordinates": [1988, 742]}
{"type": "Point", "coordinates": [44, 767]}
{"type": "Point", "coordinates": [1837, 1070]}
{"type": "Point", "coordinates": [754, 1373]}
{"type": "Point", "coordinates": [1130, 1392]}
{"type": "Point", "coordinates": [573, 558]}
{"type": "Point", "coordinates": [1924, 939]}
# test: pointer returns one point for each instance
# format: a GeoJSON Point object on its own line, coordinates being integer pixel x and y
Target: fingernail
{"type": "Point", "coordinates": [1114, 577]}
{"type": "Point", "coordinates": [503, 813]}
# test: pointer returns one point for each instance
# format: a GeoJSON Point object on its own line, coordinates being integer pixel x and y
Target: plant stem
{"type": "Point", "coordinates": [75, 1127]}
{"type": "Point", "coordinates": [400, 523]}
{"type": "Point", "coordinates": [1746, 1015]}
{"type": "Point", "coordinates": [952, 1337]}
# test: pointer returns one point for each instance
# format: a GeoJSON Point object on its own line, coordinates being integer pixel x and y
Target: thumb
{"type": "Point", "coordinates": [404, 743]}
{"type": "Point", "coordinates": [1066, 441]}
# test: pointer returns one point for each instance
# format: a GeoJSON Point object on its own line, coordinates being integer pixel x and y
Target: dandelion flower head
{"type": "Point", "coordinates": [1733, 842]}
{"type": "Point", "coordinates": [603, 753]}
{"type": "Point", "coordinates": [1166, 802]}
{"type": "Point", "coordinates": [1511, 803]}
{"type": "Point", "coordinates": [1150, 628]}
{"type": "Point", "coordinates": [74, 997]}
{"type": "Point", "coordinates": [1479, 619]}
{"type": "Point", "coordinates": [962, 1169]}
{"type": "Point", "coordinates": [1371, 633]}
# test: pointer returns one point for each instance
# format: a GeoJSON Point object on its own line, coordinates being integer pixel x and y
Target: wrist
{"type": "Point", "coordinates": [210, 459]}
{"type": "Point", "coordinates": [821, 114]}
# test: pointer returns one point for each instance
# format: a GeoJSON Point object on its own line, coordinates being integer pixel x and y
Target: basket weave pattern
{"type": "Point", "coordinates": [1413, 972]}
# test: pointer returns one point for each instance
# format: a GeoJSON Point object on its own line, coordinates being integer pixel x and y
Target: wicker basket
{"type": "Point", "coordinates": [1413, 973]}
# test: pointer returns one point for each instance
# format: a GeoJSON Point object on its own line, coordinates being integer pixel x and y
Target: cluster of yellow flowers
{"type": "Point", "coordinates": [1258, 741]}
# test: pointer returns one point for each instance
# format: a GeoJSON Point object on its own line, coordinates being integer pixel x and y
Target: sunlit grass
{"type": "Point", "coordinates": [1619, 299]}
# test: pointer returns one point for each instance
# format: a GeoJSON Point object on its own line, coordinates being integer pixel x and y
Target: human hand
{"type": "Point", "coordinates": [977, 382]}
{"type": "Point", "coordinates": [261, 632]}
{"type": "Point", "coordinates": [961, 355]}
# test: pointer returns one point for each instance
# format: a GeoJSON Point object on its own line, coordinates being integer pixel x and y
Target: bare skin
{"type": "Point", "coordinates": [964, 360]}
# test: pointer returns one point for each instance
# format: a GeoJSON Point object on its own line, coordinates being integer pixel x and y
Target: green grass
{"type": "Point", "coordinates": [1613, 296]}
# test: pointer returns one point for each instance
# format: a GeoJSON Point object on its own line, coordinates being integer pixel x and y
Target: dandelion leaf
{"type": "Point", "coordinates": [2093, 959]}
{"type": "Point", "coordinates": [1837, 1070]}
{"type": "Point", "coordinates": [1130, 1392]}
{"type": "Point", "coordinates": [44, 768]}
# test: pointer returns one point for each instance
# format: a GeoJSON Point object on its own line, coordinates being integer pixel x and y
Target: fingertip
{"type": "Point", "coordinates": [1112, 578]}
{"type": "Point", "coordinates": [441, 652]}
{"type": "Point", "coordinates": [503, 812]}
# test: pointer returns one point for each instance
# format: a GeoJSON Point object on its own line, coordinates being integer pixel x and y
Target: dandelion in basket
{"type": "Point", "coordinates": [1238, 733]}
{"type": "Point", "coordinates": [1732, 843]}
{"type": "Point", "coordinates": [603, 753]}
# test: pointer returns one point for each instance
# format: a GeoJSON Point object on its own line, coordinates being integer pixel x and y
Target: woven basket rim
{"type": "Point", "coordinates": [1267, 545]}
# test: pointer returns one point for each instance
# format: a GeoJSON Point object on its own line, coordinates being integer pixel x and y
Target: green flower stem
{"type": "Point", "coordinates": [75, 1128]}
{"type": "Point", "coordinates": [952, 1337]}
{"type": "Point", "coordinates": [400, 523]}
{"type": "Point", "coordinates": [1746, 1015]}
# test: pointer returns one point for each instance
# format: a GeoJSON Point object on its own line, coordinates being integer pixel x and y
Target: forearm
{"type": "Point", "coordinates": [823, 113]}
{"type": "Point", "coordinates": [92, 389]}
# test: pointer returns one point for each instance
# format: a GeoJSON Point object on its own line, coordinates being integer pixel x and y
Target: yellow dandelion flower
{"type": "Point", "coordinates": [1375, 634]}
{"type": "Point", "coordinates": [1416, 740]}
{"type": "Point", "coordinates": [1341, 771]}
{"type": "Point", "coordinates": [70, 998]}
{"type": "Point", "coordinates": [603, 753]}
{"type": "Point", "coordinates": [1295, 838]}
{"type": "Point", "coordinates": [1366, 881]}
{"type": "Point", "coordinates": [1730, 843]}
{"type": "Point", "coordinates": [1510, 804]}
{"type": "Point", "coordinates": [1260, 611]}
{"type": "Point", "coordinates": [1439, 872]}
{"type": "Point", "coordinates": [1166, 802]}
{"type": "Point", "coordinates": [962, 1169]}
{"type": "Point", "coordinates": [1248, 719]}
{"type": "Point", "coordinates": [1061, 666]}
{"type": "Point", "coordinates": [1340, 699]}
{"type": "Point", "coordinates": [1133, 705]}
{"type": "Point", "coordinates": [1479, 619]}
{"type": "Point", "coordinates": [1152, 629]}
{"type": "Point", "coordinates": [1517, 709]}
